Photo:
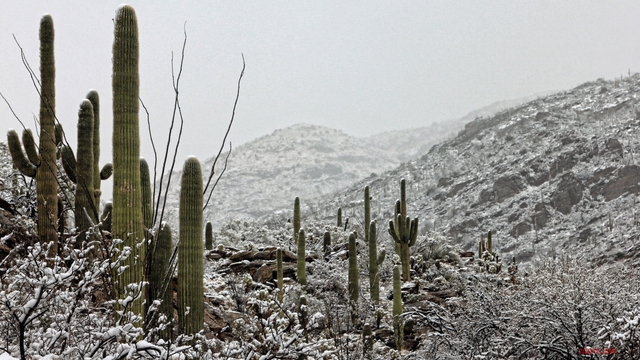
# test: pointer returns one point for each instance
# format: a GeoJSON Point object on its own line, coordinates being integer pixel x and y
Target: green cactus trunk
{"type": "Point", "coordinates": [398, 330]}
{"type": "Point", "coordinates": [208, 236]}
{"type": "Point", "coordinates": [191, 250]}
{"type": "Point", "coordinates": [339, 217]}
{"type": "Point", "coordinates": [302, 262]}
{"type": "Point", "coordinates": [354, 291]}
{"type": "Point", "coordinates": [326, 245]}
{"type": "Point", "coordinates": [127, 196]}
{"type": "Point", "coordinates": [489, 244]}
{"type": "Point", "coordinates": [367, 342]}
{"type": "Point", "coordinates": [95, 101]}
{"type": "Point", "coordinates": [374, 261]}
{"type": "Point", "coordinates": [280, 275]}
{"type": "Point", "coordinates": [296, 219]}
{"type": "Point", "coordinates": [367, 212]}
{"type": "Point", "coordinates": [147, 202]}
{"type": "Point", "coordinates": [86, 212]}
{"type": "Point", "coordinates": [160, 279]}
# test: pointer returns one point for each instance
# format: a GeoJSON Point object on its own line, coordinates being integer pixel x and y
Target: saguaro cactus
{"type": "Point", "coordinates": [367, 342]}
{"type": "Point", "coordinates": [404, 231]}
{"type": "Point", "coordinates": [375, 259]}
{"type": "Point", "coordinates": [42, 164]}
{"type": "Point", "coordinates": [160, 279]}
{"type": "Point", "coordinates": [398, 330]}
{"type": "Point", "coordinates": [280, 275]}
{"type": "Point", "coordinates": [105, 217]}
{"type": "Point", "coordinates": [354, 288]}
{"type": "Point", "coordinates": [208, 236]}
{"type": "Point", "coordinates": [302, 270]}
{"type": "Point", "coordinates": [339, 217]}
{"type": "Point", "coordinates": [326, 245]}
{"type": "Point", "coordinates": [127, 196]}
{"type": "Point", "coordinates": [367, 212]}
{"type": "Point", "coordinates": [86, 211]}
{"type": "Point", "coordinates": [191, 250]}
{"type": "Point", "coordinates": [296, 219]}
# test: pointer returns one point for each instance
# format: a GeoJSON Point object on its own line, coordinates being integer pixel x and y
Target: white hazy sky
{"type": "Point", "coordinates": [360, 66]}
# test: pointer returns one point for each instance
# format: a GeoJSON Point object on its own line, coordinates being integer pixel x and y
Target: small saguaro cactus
{"type": "Point", "coordinates": [404, 231]}
{"type": "Point", "coordinates": [375, 260]}
{"type": "Point", "coordinates": [160, 279]}
{"type": "Point", "coordinates": [296, 219]}
{"type": "Point", "coordinates": [327, 245]}
{"type": "Point", "coordinates": [398, 330]}
{"type": "Point", "coordinates": [339, 217]}
{"type": "Point", "coordinates": [367, 342]}
{"type": "Point", "coordinates": [304, 314]}
{"type": "Point", "coordinates": [354, 291]}
{"type": "Point", "coordinates": [191, 250]}
{"type": "Point", "coordinates": [302, 270]}
{"type": "Point", "coordinates": [489, 244]}
{"type": "Point", "coordinates": [208, 236]}
{"type": "Point", "coordinates": [279, 275]}
{"type": "Point", "coordinates": [40, 163]}
{"type": "Point", "coordinates": [105, 217]}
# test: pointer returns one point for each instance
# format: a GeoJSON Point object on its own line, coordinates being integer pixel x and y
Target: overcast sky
{"type": "Point", "coordinates": [359, 66]}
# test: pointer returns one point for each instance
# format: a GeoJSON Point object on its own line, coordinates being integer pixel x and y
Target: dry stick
{"type": "Point", "coordinates": [233, 114]}
{"type": "Point", "coordinates": [219, 176]}
{"type": "Point", "coordinates": [13, 112]}
{"type": "Point", "coordinates": [155, 153]}
{"type": "Point", "coordinates": [173, 118]}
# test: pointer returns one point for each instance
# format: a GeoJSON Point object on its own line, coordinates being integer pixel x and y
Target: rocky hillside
{"type": "Point", "coordinates": [556, 175]}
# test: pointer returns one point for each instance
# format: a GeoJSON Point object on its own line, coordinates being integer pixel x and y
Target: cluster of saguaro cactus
{"type": "Point", "coordinates": [485, 246]}
{"type": "Point", "coordinates": [404, 231]}
{"type": "Point", "coordinates": [41, 162]}
{"type": "Point", "coordinates": [354, 291]}
{"type": "Point", "coordinates": [191, 250]}
{"type": "Point", "coordinates": [398, 326]}
{"type": "Point", "coordinates": [127, 222]}
{"type": "Point", "coordinates": [375, 260]}
{"type": "Point", "coordinates": [208, 236]}
{"type": "Point", "coordinates": [302, 262]}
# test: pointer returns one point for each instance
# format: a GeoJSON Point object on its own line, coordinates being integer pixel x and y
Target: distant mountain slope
{"type": "Point", "coordinates": [556, 175]}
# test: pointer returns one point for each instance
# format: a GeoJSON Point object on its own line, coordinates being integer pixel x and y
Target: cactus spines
{"type": "Point", "coordinates": [367, 212]}
{"type": "Point", "coordinates": [339, 217]}
{"type": "Point", "coordinates": [127, 198]}
{"type": "Point", "coordinates": [375, 260]}
{"type": "Point", "coordinates": [327, 245]}
{"type": "Point", "coordinates": [42, 165]}
{"type": "Point", "coordinates": [208, 236]}
{"type": "Point", "coordinates": [296, 219]}
{"type": "Point", "coordinates": [85, 198]}
{"type": "Point", "coordinates": [367, 342]}
{"type": "Point", "coordinates": [302, 270]}
{"type": "Point", "coordinates": [397, 309]}
{"type": "Point", "coordinates": [160, 279]}
{"type": "Point", "coordinates": [280, 275]}
{"type": "Point", "coordinates": [404, 231]}
{"type": "Point", "coordinates": [105, 217]}
{"type": "Point", "coordinates": [191, 250]}
{"type": "Point", "coordinates": [354, 291]}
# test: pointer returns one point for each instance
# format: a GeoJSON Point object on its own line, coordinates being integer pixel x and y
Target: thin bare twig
{"type": "Point", "coordinates": [220, 176]}
{"type": "Point", "coordinates": [233, 114]}
{"type": "Point", "coordinates": [155, 153]}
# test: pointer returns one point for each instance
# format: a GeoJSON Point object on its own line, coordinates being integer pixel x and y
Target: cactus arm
{"type": "Point", "coordinates": [381, 256]}
{"type": "Point", "coordinates": [30, 147]}
{"type": "Point", "coordinates": [69, 163]}
{"type": "Point", "coordinates": [106, 171]}
{"type": "Point", "coordinates": [18, 156]}
{"type": "Point", "coordinates": [59, 134]}
{"type": "Point", "coordinates": [414, 232]}
{"type": "Point", "coordinates": [392, 232]}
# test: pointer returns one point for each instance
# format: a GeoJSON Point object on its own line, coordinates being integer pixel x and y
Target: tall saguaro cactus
{"type": "Point", "coordinates": [127, 196]}
{"type": "Point", "coordinates": [41, 163]}
{"type": "Point", "coordinates": [367, 212]}
{"type": "Point", "coordinates": [375, 259]}
{"type": "Point", "coordinates": [398, 328]}
{"type": "Point", "coordinates": [404, 231]}
{"type": "Point", "coordinates": [191, 250]}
